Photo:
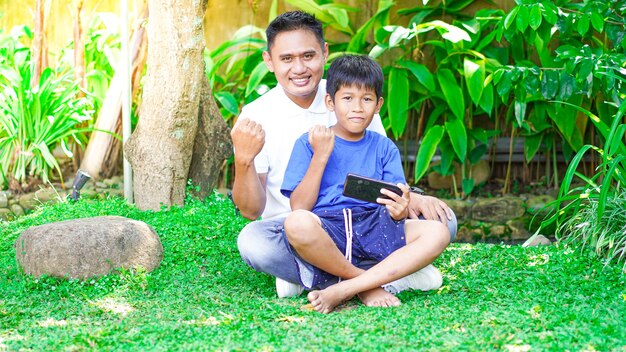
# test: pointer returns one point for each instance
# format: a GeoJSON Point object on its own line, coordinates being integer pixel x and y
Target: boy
{"type": "Point", "coordinates": [324, 223]}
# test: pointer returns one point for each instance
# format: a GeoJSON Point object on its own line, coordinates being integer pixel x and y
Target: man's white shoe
{"type": "Point", "coordinates": [426, 279]}
{"type": "Point", "coordinates": [286, 289]}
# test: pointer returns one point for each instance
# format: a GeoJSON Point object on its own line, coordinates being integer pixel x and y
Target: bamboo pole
{"type": "Point", "coordinates": [126, 99]}
{"type": "Point", "coordinates": [102, 150]}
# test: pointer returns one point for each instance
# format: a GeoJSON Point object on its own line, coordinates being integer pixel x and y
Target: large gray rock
{"type": "Point", "coordinates": [83, 248]}
{"type": "Point", "coordinates": [500, 210]}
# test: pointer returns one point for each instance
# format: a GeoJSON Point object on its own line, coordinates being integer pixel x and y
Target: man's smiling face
{"type": "Point", "coordinates": [297, 59]}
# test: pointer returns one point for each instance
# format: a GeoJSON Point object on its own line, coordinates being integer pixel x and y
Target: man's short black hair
{"type": "Point", "coordinates": [291, 21]}
{"type": "Point", "coordinates": [359, 70]}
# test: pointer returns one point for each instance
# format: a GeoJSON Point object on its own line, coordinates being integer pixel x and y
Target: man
{"type": "Point", "coordinates": [264, 136]}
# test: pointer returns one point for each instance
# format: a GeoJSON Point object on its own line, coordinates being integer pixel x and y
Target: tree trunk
{"type": "Point", "coordinates": [212, 145]}
{"type": "Point", "coordinates": [160, 149]}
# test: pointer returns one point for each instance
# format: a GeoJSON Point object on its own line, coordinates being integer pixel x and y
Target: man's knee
{"type": "Point", "coordinates": [298, 227]}
{"type": "Point", "coordinates": [257, 244]}
{"type": "Point", "coordinates": [452, 226]}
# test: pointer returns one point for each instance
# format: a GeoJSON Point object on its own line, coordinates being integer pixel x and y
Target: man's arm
{"type": "Point", "coordinates": [249, 187]}
{"type": "Point", "coordinates": [304, 196]}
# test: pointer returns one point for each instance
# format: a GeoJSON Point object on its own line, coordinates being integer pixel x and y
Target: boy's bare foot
{"type": "Point", "coordinates": [378, 297]}
{"type": "Point", "coordinates": [324, 301]}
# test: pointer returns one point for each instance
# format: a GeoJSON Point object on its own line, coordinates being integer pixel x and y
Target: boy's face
{"type": "Point", "coordinates": [297, 59]}
{"type": "Point", "coordinates": [355, 108]}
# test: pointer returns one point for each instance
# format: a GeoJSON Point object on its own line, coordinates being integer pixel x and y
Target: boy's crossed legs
{"type": "Point", "coordinates": [425, 239]}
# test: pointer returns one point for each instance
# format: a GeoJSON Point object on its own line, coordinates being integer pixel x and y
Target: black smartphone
{"type": "Point", "coordinates": [367, 189]}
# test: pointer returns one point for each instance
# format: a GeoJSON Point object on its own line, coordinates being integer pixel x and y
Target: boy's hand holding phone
{"type": "Point", "coordinates": [322, 140]}
{"type": "Point", "coordinates": [397, 206]}
{"type": "Point", "coordinates": [394, 197]}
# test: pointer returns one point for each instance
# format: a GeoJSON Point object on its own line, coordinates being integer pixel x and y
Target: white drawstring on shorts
{"type": "Point", "coordinates": [347, 219]}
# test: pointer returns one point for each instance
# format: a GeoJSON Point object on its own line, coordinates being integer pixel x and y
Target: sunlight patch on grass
{"type": "Point", "coordinates": [290, 319]}
{"type": "Point", "coordinates": [541, 259]}
{"type": "Point", "coordinates": [112, 305]}
{"type": "Point", "coordinates": [8, 336]}
{"type": "Point", "coordinates": [51, 322]}
{"type": "Point", "coordinates": [472, 267]}
{"type": "Point", "coordinates": [517, 348]}
{"type": "Point", "coordinates": [210, 321]}
{"type": "Point", "coordinates": [461, 247]}
{"type": "Point", "coordinates": [535, 312]}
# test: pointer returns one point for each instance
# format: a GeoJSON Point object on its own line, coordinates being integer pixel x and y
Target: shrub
{"type": "Point", "coordinates": [35, 120]}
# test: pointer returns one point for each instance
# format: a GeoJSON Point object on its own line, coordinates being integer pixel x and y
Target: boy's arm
{"type": "Point", "coordinates": [397, 205]}
{"type": "Point", "coordinates": [304, 196]}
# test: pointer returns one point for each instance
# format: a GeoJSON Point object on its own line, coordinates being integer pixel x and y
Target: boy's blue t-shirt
{"type": "Point", "coordinates": [373, 156]}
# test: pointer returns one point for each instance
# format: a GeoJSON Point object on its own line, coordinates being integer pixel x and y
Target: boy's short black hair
{"type": "Point", "coordinates": [359, 70]}
{"type": "Point", "coordinates": [291, 21]}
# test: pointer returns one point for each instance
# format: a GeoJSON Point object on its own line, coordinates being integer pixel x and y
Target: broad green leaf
{"type": "Point", "coordinates": [398, 35]}
{"type": "Point", "coordinates": [549, 83]}
{"type": "Point", "coordinates": [534, 19]}
{"type": "Point", "coordinates": [567, 51]}
{"type": "Point", "coordinates": [458, 136]}
{"type": "Point", "coordinates": [477, 153]}
{"type": "Point", "coordinates": [446, 167]}
{"type": "Point", "coordinates": [450, 32]}
{"type": "Point", "coordinates": [468, 185]}
{"type": "Point", "coordinates": [585, 68]}
{"type": "Point", "coordinates": [398, 96]}
{"type": "Point", "coordinates": [583, 25]}
{"type": "Point", "coordinates": [486, 100]}
{"type": "Point", "coordinates": [420, 72]}
{"type": "Point", "coordinates": [474, 78]}
{"type": "Point", "coordinates": [597, 21]}
{"type": "Point", "coordinates": [334, 16]}
{"type": "Point", "coordinates": [457, 6]}
{"type": "Point", "coordinates": [510, 17]}
{"type": "Point", "coordinates": [359, 40]}
{"type": "Point", "coordinates": [381, 34]}
{"type": "Point", "coordinates": [313, 8]}
{"type": "Point", "coordinates": [427, 149]}
{"type": "Point", "coordinates": [377, 50]}
{"type": "Point", "coordinates": [452, 91]}
{"type": "Point", "coordinates": [567, 86]}
{"type": "Point", "coordinates": [521, 21]}
{"type": "Point", "coordinates": [550, 11]}
{"type": "Point", "coordinates": [256, 77]}
{"type": "Point", "coordinates": [340, 15]}
{"type": "Point", "coordinates": [485, 41]}
{"type": "Point", "coordinates": [228, 101]}
{"type": "Point", "coordinates": [617, 141]}
{"type": "Point", "coordinates": [482, 135]}
{"type": "Point", "coordinates": [520, 112]}
{"type": "Point", "coordinates": [531, 145]}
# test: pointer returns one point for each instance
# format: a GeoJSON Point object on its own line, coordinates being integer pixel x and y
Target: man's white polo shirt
{"type": "Point", "coordinates": [283, 122]}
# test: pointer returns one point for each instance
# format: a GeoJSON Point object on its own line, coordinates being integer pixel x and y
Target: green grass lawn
{"type": "Point", "coordinates": [203, 297]}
